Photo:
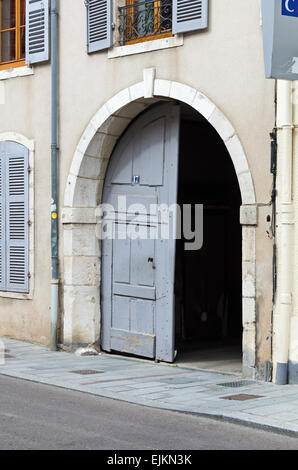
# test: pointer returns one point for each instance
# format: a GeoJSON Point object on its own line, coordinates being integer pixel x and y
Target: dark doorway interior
{"type": "Point", "coordinates": [208, 285]}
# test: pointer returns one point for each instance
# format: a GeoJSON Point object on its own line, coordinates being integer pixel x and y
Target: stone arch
{"type": "Point", "coordinates": [114, 116]}
{"type": "Point", "coordinates": [83, 193]}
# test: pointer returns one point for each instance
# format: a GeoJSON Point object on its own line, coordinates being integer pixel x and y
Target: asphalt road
{"type": "Point", "coordinates": [36, 416]}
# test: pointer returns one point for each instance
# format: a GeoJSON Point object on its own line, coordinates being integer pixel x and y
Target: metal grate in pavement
{"type": "Point", "coordinates": [242, 397]}
{"type": "Point", "coordinates": [86, 372]}
{"type": "Point", "coordinates": [237, 383]}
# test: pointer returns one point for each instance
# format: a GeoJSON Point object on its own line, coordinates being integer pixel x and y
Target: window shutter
{"type": "Point", "coordinates": [2, 217]}
{"type": "Point", "coordinates": [17, 243]}
{"type": "Point", "coordinates": [189, 15]}
{"type": "Point", "coordinates": [37, 31]}
{"type": "Point", "coordinates": [99, 24]}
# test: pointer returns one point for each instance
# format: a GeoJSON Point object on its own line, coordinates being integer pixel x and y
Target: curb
{"type": "Point", "coordinates": [214, 416]}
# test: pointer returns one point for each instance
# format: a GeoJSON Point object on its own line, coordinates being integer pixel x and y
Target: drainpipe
{"type": "Point", "coordinates": [284, 297]}
{"type": "Point", "coordinates": [54, 152]}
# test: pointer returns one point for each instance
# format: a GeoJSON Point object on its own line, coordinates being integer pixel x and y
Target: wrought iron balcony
{"type": "Point", "coordinates": [144, 20]}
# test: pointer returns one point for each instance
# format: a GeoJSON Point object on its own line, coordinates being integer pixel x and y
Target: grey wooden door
{"type": "Point", "coordinates": [138, 273]}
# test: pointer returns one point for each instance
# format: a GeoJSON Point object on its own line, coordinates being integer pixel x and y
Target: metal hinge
{"type": "Point", "coordinates": [29, 275]}
{"type": "Point", "coordinates": [29, 223]}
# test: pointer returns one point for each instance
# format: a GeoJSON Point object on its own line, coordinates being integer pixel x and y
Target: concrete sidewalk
{"type": "Point", "coordinates": [164, 386]}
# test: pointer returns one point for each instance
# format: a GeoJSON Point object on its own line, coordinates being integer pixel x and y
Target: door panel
{"type": "Point", "coordinates": [150, 165]}
{"type": "Point", "coordinates": [138, 273]}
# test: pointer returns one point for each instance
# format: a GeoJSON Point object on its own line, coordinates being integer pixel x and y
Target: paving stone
{"type": "Point", "coordinates": [159, 385]}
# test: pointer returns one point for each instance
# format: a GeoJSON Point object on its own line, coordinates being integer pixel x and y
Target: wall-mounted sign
{"type": "Point", "coordinates": [290, 8]}
{"type": "Point", "coordinates": [136, 179]}
{"type": "Point", "coordinates": [280, 38]}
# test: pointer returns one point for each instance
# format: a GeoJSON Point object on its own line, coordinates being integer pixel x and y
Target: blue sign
{"type": "Point", "coordinates": [289, 8]}
{"type": "Point", "coordinates": [136, 179]}
{"type": "Point", "coordinates": [280, 38]}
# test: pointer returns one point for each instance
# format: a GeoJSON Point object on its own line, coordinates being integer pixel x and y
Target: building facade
{"type": "Point", "coordinates": [186, 80]}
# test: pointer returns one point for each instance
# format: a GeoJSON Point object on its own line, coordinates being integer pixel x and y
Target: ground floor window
{"type": "Point", "coordinates": [14, 217]}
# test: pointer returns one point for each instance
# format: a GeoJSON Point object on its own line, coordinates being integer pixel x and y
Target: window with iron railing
{"type": "Point", "coordinates": [144, 20]}
{"type": "Point", "coordinates": [114, 22]}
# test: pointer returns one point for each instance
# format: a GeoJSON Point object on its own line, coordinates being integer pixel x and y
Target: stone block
{"type": "Point", "coordinates": [82, 270]}
{"type": "Point", "coordinates": [237, 154]}
{"type": "Point", "coordinates": [183, 93]}
{"type": "Point", "coordinates": [203, 105]}
{"type": "Point", "coordinates": [85, 194]}
{"type": "Point", "coordinates": [246, 188]}
{"type": "Point", "coordinates": [249, 344]}
{"type": "Point", "coordinates": [78, 215]}
{"type": "Point", "coordinates": [248, 243]}
{"type": "Point", "coordinates": [149, 77]}
{"type": "Point", "coordinates": [100, 117]}
{"type": "Point", "coordinates": [248, 279]}
{"type": "Point", "coordinates": [249, 215]}
{"type": "Point", "coordinates": [101, 146]}
{"type": "Point", "coordinates": [93, 168]}
{"type": "Point", "coordinates": [131, 110]}
{"type": "Point", "coordinates": [81, 314]}
{"type": "Point", "coordinates": [162, 87]}
{"type": "Point", "coordinates": [118, 101]}
{"type": "Point", "coordinates": [80, 240]}
{"type": "Point", "coordinates": [136, 91]}
{"type": "Point", "coordinates": [115, 125]}
{"type": "Point", "coordinates": [222, 125]}
{"type": "Point", "coordinates": [249, 311]}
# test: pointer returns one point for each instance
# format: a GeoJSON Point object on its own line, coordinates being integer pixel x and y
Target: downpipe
{"type": "Point", "coordinates": [284, 297]}
{"type": "Point", "coordinates": [54, 155]}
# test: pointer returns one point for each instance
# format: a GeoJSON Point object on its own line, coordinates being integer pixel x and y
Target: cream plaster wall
{"type": "Point", "coordinates": [25, 110]}
{"type": "Point", "coordinates": [225, 63]}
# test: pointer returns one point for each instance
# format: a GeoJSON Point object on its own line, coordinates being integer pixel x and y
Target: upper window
{"type": "Point", "coordinates": [12, 33]}
{"type": "Point", "coordinates": [145, 20]}
{"type": "Point", "coordinates": [141, 20]}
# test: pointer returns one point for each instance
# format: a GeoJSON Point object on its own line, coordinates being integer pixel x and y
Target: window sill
{"type": "Point", "coordinates": [16, 72]}
{"type": "Point", "coordinates": [16, 295]}
{"type": "Point", "coordinates": [146, 46]}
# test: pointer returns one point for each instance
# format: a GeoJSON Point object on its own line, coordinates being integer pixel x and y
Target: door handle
{"type": "Point", "coordinates": [151, 260]}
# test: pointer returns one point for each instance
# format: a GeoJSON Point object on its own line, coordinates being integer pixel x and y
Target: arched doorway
{"type": "Point", "coordinates": [83, 193]}
{"type": "Point", "coordinates": [209, 280]}
{"type": "Point", "coordinates": [159, 299]}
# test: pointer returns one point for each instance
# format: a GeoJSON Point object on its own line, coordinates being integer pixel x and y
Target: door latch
{"type": "Point", "coordinates": [151, 260]}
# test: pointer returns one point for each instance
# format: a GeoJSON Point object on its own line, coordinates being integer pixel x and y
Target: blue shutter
{"type": "Point", "coordinates": [189, 15]}
{"type": "Point", "coordinates": [99, 24]}
{"type": "Point", "coordinates": [37, 31]}
{"type": "Point", "coordinates": [17, 216]}
{"type": "Point", "coordinates": [2, 217]}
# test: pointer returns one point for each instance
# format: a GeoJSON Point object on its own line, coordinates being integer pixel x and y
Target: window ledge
{"type": "Point", "coordinates": [16, 295]}
{"type": "Point", "coordinates": [16, 72]}
{"type": "Point", "coordinates": [147, 46]}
